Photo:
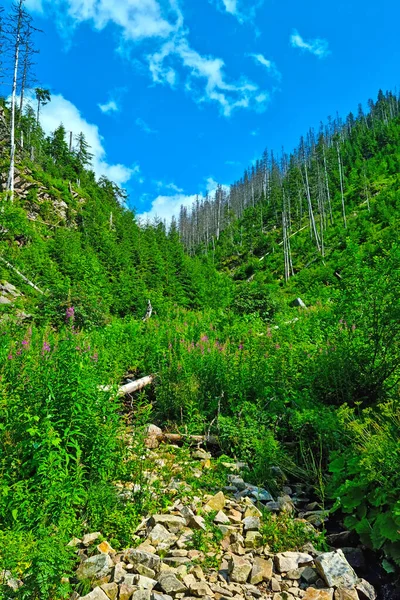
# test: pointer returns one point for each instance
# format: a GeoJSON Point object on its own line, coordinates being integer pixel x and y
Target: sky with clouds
{"type": "Point", "coordinates": [175, 95]}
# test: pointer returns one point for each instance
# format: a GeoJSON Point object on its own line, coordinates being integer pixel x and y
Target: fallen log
{"type": "Point", "coordinates": [132, 386]}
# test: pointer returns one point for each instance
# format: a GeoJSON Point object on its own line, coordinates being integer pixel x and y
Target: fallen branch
{"type": "Point", "coordinates": [21, 275]}
{"type": "Point", "coordinates": [132, 386]}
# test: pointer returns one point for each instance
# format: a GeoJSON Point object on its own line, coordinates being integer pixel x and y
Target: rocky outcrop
{"type": "Point", "coordinates": [167, 562]}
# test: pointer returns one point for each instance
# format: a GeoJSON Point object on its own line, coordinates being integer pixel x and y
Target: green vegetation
{"type": "Point", "coordinates": [314, 392]}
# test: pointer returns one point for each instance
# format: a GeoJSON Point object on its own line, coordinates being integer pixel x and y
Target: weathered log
{"type": "Point", "coordinates": [132, 386]}
{"type": "Point", "coordinates": [10, 266]}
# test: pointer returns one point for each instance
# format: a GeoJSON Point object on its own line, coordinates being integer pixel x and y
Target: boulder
{"type": "Point", "coordinates": [126, 591]}
{"type": "Point", "coordinates": [314, 594]}
{"type": "Point", "coordinates": [309, 575]}
{"type": "Point", "coordinates": [252, 511]}
{"type": "Point", "coordinates": [345, 594]}
{"type": "Point", "coordinates": [96, 594]}
{"type": "Point", "coordinates": [160, 536]}
{"type": "Point", "coordinates": [253, 539]}
{"type": "Point", "coordinates": [197, 522]}
{"type": "Point", "coordinates": [119, 573]}
{"type": "Point", "coordinates": [298, 302]}
{"type": "Point", "coordinates": [365, 590]}
{"type": "Point", "coordinates": [141, 557]}
{"type": "Point", "coordinates": [261, 571]}
{"type": "Point", "coordinates": [110, 590]}
{"type": "Point", "coordinates": [96, 567]}
{"type": "Point", "coordinates": [90, 538]}
{"type": "Point", "coordinates": [141, 595]}
{"type": "Point", "coordinates": [170, 522]}
{"type": "Point", "coordinates": [288, 561]}
{"type": "Point", "coordinates": [217, 502]}
{"type": "Point", "coordinates": [221, 518]}
{"type": "Point", "coordinates": [239, 569]}
{"type": "Point", "coordinates": [200, 589]}
{"type": "Point", "coordinates": [335, 570]}
{"type": "Point", "coordinates": [105, 548]}
{"type": "Point", "coordinates": [251, 523]}
{"type": "Point", "coordinates": [171, 584]}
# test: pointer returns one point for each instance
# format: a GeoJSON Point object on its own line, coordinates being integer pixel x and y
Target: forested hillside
{"type": "Point", "coordinates": [301, 391]}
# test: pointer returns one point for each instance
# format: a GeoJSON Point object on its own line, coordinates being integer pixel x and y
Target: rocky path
{"type": "Point", "coordinates": [212, 547]}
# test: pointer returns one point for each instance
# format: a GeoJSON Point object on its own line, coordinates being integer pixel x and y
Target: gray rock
{"type": "Point", "coordinates": [95, 567]}
{"type": "Point", "coordinates": [298, 302]}
{"type": "Point", "coordinates": [90, 538]}
{"type": "Point", "coordinates": [96, 594]}
{"type": "Point", "coordinates": [309, 575]}
{"type": "Point", "coordinates": [152, 561]}
{"type": "Point", "coordinates": [251, 523]}
{"type": "Point", "coordinates": [119, 573]}
{"type": "Point", "coordinates": [237, 482]}
{"type": "Point", "coordinates": [221, 518]}
{"type": "Point", "coordinates": [258, 493]}
{"type": "Point", "coordinates": [365, 590]}
{"type": "Point", "coordinates": [288, 561]}
{"type": "Point", "coordinates": [261, 571]}
{"type": "Point", "coordinates": [159, 535]}
{"type": "Point", "coordinates": [239, 569]}
{"type": "Point", "coordinates": [111, 590]}
{"type": "Point", "coordinates": [335, 570]}
{"type": "Point", "coordinates": [170, 584]}
{"type": "Point", "coordinates": [141, 595]}
{"type": "Point", "coordinates": [4, 300]}
{"type": "Point", "coordinates": [171, 522]}
{"type": "Point", "coordinates": [158, 596]}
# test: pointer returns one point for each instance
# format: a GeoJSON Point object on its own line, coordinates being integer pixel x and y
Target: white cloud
{"type": "Point", "coordinates": [61, 110]}
{"type": "Point", "coordinates": [268, 64]}
{"type": "Point", "coordinates": [139, 19]}
{"type": "Point", "coordinates": [172, 61]}
{"type": "Point", "coordinates": [242, 10]}
{"type": "Point", "coordinates": [109, 107]}
{"type": "Point", "coordinates": [168, 186]}
{"type": "Point", "coordinates": [318, 47]}
{"type": "Point", "coordinates": [144, 126]}
{"type": "Point", "coordinates": [206, 78]}
{"type": "Point", "coordinates": [34, 5]}
{"type": "Point", "coordinates": [165, 207]}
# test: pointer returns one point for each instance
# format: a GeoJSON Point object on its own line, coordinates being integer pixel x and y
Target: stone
{"type": "Point", "coordinates": [172, 522]}
{"type": "Point", "coordinates": [197, 522]}
{"type": "Point", "coordinates": [154, 430]}
{"type": "Point", "coordinates": [105, 548]}
{"type": "Point", "coordinates": [237, 482]}
{"type": "Point", "coordinates": [145, 571]}
{"type": "Point", "coordinates": [159, 535]}
{"type": "Point", "coordinates": [275, 585]}
{"type": "Point", "coordinates": [171, 584]}
{"type": "Point", "coordinates": [261, 571]}
{"type": "Point", "coordinates": [145, 583]}
{"type": "Point", "coordinates": [4, 300]}
{"type": "Point", "coordinates": [201, 454]}
{"type": "Point", "coordinates": [189, 580]}
{"type": "Point", "coordinates": [74, 542]}
{"type": "Point", "coordinates": [239, 569]}
{"type": "Point", "coordinates": [335, 570]}
{"type": "Point", "coordinates": [95, 567]}
{"type": "Point", "coordinates": [288, 561]}
{"type": "Point", "coordinates": [200, 589]}
{"type": "Point", "coordinates": [295, 574]}
{"type": "Point", "coordinates": [141, 595]}
{"type": "Point", "coordinates": [314, 594]}
{"type": "Point", "coordinates": [252, 511]}
{"type": "Point", "coordinates": [126, 591]}
{"type": "Point", "coordinates": [235, 515]}
{"type": "Point", "coordinates": [90, 538]}
{"type": "Point", "coordinates": [96, 594]}
{"type": "Point", "coordinates": [110, 590]}
{"type": "Point", "coordinates": [253, 539]}
{"type": "Point", "coordinates": [176, 561]}
{"type": "Point", "coordinates": [309, 575]}
{"type": "Point", "coordinates": [137, 557]}
{"type": "Point", "coordinates": [251, 523]}
{"type": "Point", "coordinates": [345, 594]}
{"type": "Point", "coordinates": [119, 573]}
{"type": "Point", "coordinates": [259, 493]}
{"type": "Point", "coordinates": [221, 518]}
{"type": "Point", "coordinates": [186, 513]}
{"type": "Point", "coordinates": [298, 302]}
{"type": "Point", "coordinates": [365, 590]}
{"type": "Point", "coordinates": [158, 596]}
{"type": "Point", "coordinates": [217, 502]}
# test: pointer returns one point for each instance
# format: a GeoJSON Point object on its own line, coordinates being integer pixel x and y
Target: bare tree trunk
{"type": "Point", "coordinates": [21, 275]}
{"type": "Point", "coordinates": [341, 186]}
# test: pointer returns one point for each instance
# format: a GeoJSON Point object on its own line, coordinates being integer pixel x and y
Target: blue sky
{"type": "Point", "coordinates": [176, 95]}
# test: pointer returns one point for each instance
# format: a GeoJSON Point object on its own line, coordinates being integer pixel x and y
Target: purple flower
{"type": "Point", "coordinates": [10, 357]}
{"type": "Point", "coordinates": [25, 343]}
{"type": "Point", "coordinates": [19, 352]}
{"type": "Point", "coordinates": [204, 338]}
{"type": "Point", "coordinates": [45, 347]}
{"type": "Point", "coordinates": [277, 346]}
{"type": "Point", "coordinates": [95, 357]}
{"type": "Point", "coordinates": [240, 346]}
{"type": "Point", "coordinates": [70, 314]}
